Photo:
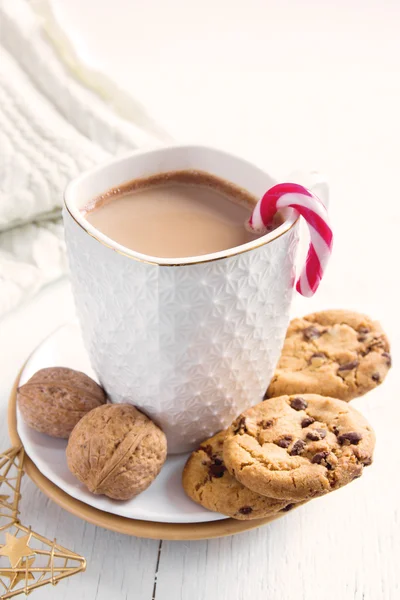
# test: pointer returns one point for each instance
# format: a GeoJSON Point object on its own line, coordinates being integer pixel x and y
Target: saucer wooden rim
{"type": "Point", "coordinates": [144, 529]}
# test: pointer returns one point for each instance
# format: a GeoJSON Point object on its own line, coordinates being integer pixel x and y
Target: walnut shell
{"type": "Point", "coordinates": [116, 450]}
{"type": "Point", "coordinates": [55, 399]}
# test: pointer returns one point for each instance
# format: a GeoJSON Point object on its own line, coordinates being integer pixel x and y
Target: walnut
{"type": "Point", "coordinates": [55, 399]}
{"type": "Point", "coordinates": [116, 450]}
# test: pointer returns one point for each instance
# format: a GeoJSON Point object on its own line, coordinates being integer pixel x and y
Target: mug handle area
{"type": "Point", "coordinates": [313, 180]}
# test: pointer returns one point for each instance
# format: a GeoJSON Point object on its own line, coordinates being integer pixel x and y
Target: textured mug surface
{"type": "Point", "coordinates": [194, 344]}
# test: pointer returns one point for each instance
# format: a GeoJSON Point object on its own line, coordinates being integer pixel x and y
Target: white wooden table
{"type": "Point", "coordinates": [289, 85]}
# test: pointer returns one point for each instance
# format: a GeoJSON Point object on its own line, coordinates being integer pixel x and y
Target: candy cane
{"type": "Point", "coordinates": [304, 202]}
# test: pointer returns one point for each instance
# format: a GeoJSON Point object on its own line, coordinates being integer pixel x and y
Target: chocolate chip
{"type": "Point", "coordinates": [307, 421]}
{"type": "Point", "coordinates": [388, 357]}
{"type": "Point", "coordinates": [362, 337]}
{"type": "Point", "coordinates": [218, 461]}
{"type": "Point", "coordinates": [284, 442]}
{"type": "Point", "coordinates": [353, 437]}
{"type": "Point", "coordinates": [240, 425]}
{"type": "Point", "coordinates": [245, 510]}
{"type": "Point", "coordinates": [317, 359]}
{"type": "Point", "coordinates": [312, 333]}
{"type": "Point", "coordinates": [349, 366]}
{"type": "Point", "coordinates": [288, 507]}
{"type": "Point", "coordinates": [363, 330]}
{"type": "Point", "coordinates": [216, 471]}
{"type": "Point", "coordinates": [265, 424]}
{"type": "Point", "coordinates": [297, 448]}
{"type": "Point", "coordinates": [316, 434]}
{"type": "Point", "coordinates": [375, 377]}
{"type": "Point", "coordinates": [319, 457]}
{"type": "Point", "coordinates": [298, 404]}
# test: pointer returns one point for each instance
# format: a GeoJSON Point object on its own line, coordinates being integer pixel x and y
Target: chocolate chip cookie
{"type": "Point", "coordinates": [295, 448]}
{"type": "Point", "coordinates": [336, 353]}
{"type": "Point", "coordinates": [207, 481]}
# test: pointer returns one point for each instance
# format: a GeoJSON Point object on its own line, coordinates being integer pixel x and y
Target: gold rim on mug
{"type": "Point", "coordinates": [134, 527]}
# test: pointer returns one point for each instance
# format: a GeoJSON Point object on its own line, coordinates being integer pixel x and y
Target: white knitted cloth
{"type": "Point", "coordinates": [52, 127]}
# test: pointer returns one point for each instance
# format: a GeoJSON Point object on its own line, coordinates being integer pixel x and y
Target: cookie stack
{"type": "Point", "coordinates": [300, 445]}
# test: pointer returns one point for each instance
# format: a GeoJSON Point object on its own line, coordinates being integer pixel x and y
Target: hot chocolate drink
{"type": "Point", "coordinates": [176, 214]}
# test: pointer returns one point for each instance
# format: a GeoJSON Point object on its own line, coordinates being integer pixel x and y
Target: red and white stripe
{"type": "Point", "coordinates": [292, 195]}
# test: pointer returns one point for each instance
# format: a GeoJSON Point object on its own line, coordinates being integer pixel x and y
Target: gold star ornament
{"type": "Point", "coordinates": [16, 548]}
{"type": "Point", "coordinates": [28, 560]}
{"type": "Point", "coordinates": [22, 574]}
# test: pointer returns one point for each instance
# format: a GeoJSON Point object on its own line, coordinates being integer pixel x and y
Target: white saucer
{"type": "Point", "coordinates": [164, 501]}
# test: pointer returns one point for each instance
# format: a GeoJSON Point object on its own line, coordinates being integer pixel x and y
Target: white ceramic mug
{"type": "Point", "coordinates": [191, 342]}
